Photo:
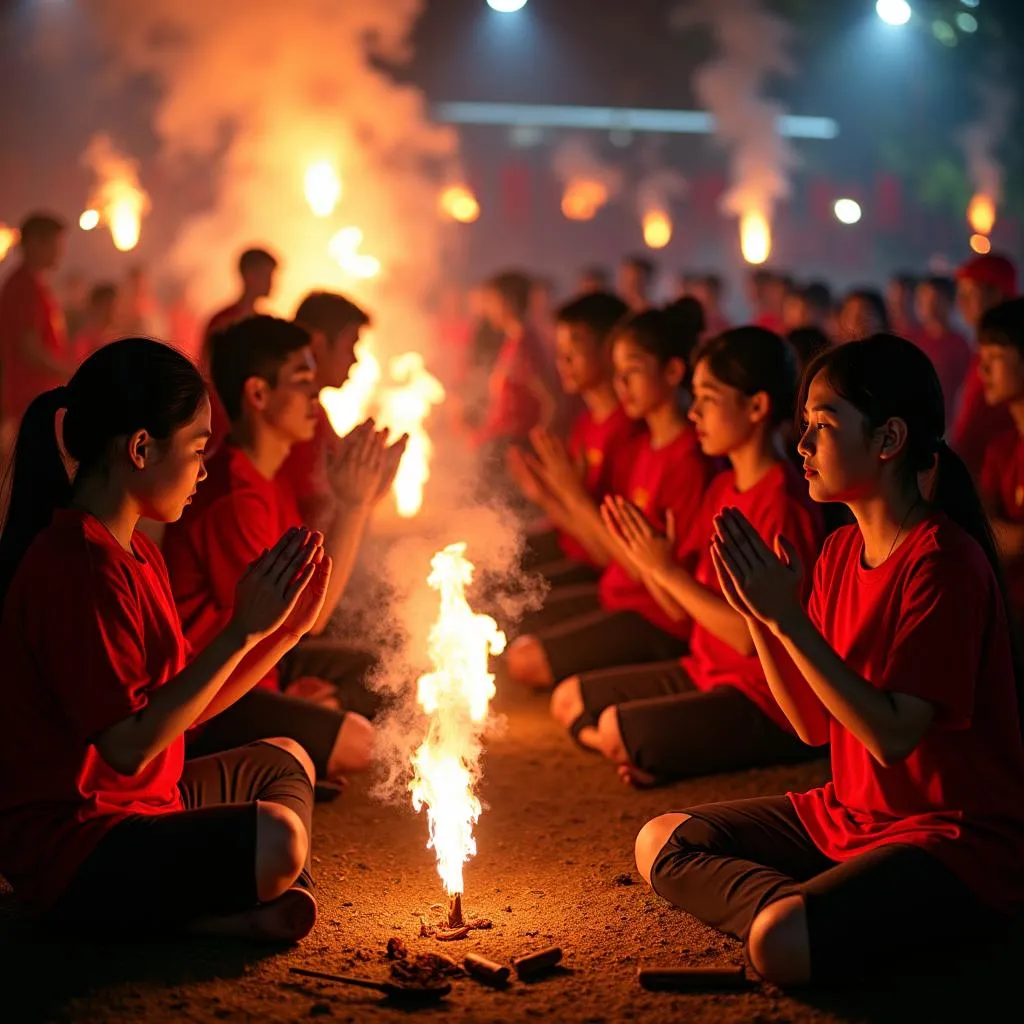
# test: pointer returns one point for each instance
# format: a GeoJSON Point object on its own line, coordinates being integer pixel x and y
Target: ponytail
{"type": "Point", "coordinates": [37, 483]}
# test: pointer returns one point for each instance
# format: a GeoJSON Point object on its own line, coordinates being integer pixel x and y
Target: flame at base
{"type": "Point", "coordinates": [456, 698]}
{"type": "Point", "coordinates": [755, 237]}
{"type": "Point", "coordinates": [657, 226]}
{"type": "Point", "coordinates": [981, 214]}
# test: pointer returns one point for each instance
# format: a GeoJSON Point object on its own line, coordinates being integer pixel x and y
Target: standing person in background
{"type": "Point", "coordinates": [636, 277]}
{"type": "Point", "coordinates": [708, 290]}
{"type": "Point", "coordinates": [945, 347]}
{"type": "Point", "coordinates": [809, 306]}
{"type": "Point", "coordinates": [256, 268]}
{"type": "Point", "coordinates": [982, 283]}
{"type": "Point", "coordinates": [98, 326]}
{"type": "Point", "coordinates": [766, 292]}
{"type": "Point", "coordinates": [899, 303]}
{"type": "Point", "coordinates": [33, 341]}
{"type": "Point", "coordinates": [594, 279]}
{"type": "Point", "coordinates": [861, 315]}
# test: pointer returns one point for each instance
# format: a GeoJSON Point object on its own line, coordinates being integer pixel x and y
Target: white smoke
{"type": "Point", "coordinates": [659, 189]}
{"type": "Point", "coordinates": [981, 139]}
{"type": "Point", "coordinates": [752, 45]}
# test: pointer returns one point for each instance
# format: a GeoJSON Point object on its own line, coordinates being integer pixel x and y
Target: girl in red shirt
{"type": "Point", "coordinates": [101, 819]}
{"type": "Point", "coordinates": [710, 711]}
{"type": "Point", "coordinates": [625, 620]}
{"type": "Point", "coordinates": [903, 661]}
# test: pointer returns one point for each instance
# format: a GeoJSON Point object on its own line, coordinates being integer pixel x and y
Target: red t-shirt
{"type": "Point", "coordinates": [951, 356]}
{"type": "Point", "coordinates": [236, 515]}
{"type": "Point", "coordinates": [304, 472]}
{"type": "Point", "coordinates": [671, 478]}
{"type": "Point", "coordinates": [220, 425]}
{"type": "Point", "coordinates": [777, 503]}
{"type": "Point", "coordinates": [771, 322]}
{"type": "Point", "coordinates": [1002, 487]}
{"type": "Point", "coordinates": [513, 408]}
{"type": "Point", "coordinates": [89, 631]}
{"type": "Point", "coordinates": [928, 622]}
{"type": "Point", "coordinates": [605, 448]}
{"type": "Point", "coordinates": [977, 423]}
{"type": "Point", "coordinates": [27, 304]}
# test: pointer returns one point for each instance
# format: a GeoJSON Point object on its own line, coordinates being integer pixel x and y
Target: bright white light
{"type": "Point", "coordinates": [506, 6]}
{"type": "Point", "coordinates": [893, 12]}
{"type": "Point", "coordinates": [847, 211]}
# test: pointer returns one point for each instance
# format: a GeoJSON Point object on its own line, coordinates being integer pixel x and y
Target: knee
{"type": "Point", "coordinates": [528, 663]}
{"type": "Point", "coordinates": [609, 736]}
{"type": "Point", "coordinates": [281, 849]}
{"type": "Point", "coordinates": [298, 751]}
{"type": "Point", "coordinates": [567, 701]}
{"type": "Point", "coordinates": [651, 840]}
{"type": "Point", "coordinates": [778, 945]}
{"type": "Point", "coordinates": [353, 746]}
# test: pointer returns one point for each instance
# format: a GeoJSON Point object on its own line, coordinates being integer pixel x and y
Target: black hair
{"type": "Point", "coordinates": [762, 276]}
{"type": "Point", "coordinates": [945, 286]}
{"type": "Point", "coordinates": [252, 259]}
{"type": "Point", "coordinates": [808, 343]}
{"type": "Point", "coordinates": [330, 314]}
{"type": "Point", "coordinates": [663, 333]}
{"type": "Point", "coordinates": [40, 226]}
{"type": "Point", "coordinates": [103, 292]}
{"type": "Point", "coordinates": [255, 347]}
{"type": "Point", "coordinates": [598, 311]}
{"type": "Point", "coordinates": [1004, 325]}
{"type": "Point", "coordinates": [904, 279]}
{"type": "Point", "coordinates": [752, 359]}
{"type": "Point", "coordinates": [129, 385]}
{"type": "Point", "coordinates": [873, 298]}
{"type": "Point", "coordinates": [599, 275]}
{"type": "Point", "coordinates": [514, 288]}
{"type": "Point", "coordinates": [818, 296]}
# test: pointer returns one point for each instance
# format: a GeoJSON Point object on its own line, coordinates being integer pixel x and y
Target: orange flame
{"type": "Point", "coordinates": [981, 214]}
{"type": "Point", "coordinates": [323, 188]}
{"type": "Point", "coordinates": [981, 244]}
{"type": "Point", "coordinates": [456, 698]}
{"type": "Point", "coordinates": [582, 198]}
{"type": "Point", "coordinates": [119, 199]}
{"type": "Point", "coordinates": [459, 203]}
{"type": "Point", "coordinates": [344, 248]}
{"type": "Point", "coordinates": [8, 239]}
{"type": "Point", "coordinates": [657, 229]}
{"type": "Point", "coordinates": [755, 237]}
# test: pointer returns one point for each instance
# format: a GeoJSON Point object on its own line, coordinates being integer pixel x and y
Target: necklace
{"type": "Point", "coordinates": [892, 547]}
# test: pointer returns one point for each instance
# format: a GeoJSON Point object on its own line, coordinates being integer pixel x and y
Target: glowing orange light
{"type": "Point", "coordinates": [657, 229]}
{"type": "Point", "coordinates": [755, 237]}
{"type": "Point", "coordinates": [981, 244]}
{"type": "Point", "coordinates": [456, 698]}
{"type": "Point", "coordinates": [460, 204]}
{"type": "Point", "coordinates": [89, 220]}
{"type": "Point", "coordinates": [344, 248]}
{"type": "Point", "coordinates": [119, 200]}
{"type": "Point", "coordinates": [323, 188]}
{"type": "Point", "coordinates": [981, 214]}
{"type": "Point", "coordinates": [582, 199]}
{"type": "Point", "coordinates": [8, 239]}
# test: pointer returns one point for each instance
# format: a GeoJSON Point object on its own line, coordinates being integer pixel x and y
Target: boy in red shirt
{"type": "Point", "coordinates": [1001, 369]}
{"type": "Point", "coordinates": [33, 344]}
{"type": "Point", "coordinates": [264, 372]}
{"type": "Point", "coordinates": [98, 327]}
{"type": "Point", "coordinates": [334, 324]}
{"type": "Point", "coordinates": [599, 442]}
{"type": "Point", "coordinates": [945, 347]}
{"type": "Point", "coordinates": [982, 282]}
{"type": "Point", "coordinates": [903, 662]}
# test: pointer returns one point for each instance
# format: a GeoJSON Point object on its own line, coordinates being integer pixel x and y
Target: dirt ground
{"type": "Point", "coordinates": [554, 867]}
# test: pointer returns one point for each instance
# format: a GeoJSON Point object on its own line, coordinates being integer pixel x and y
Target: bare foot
{"type": "Point", "coordinates": [630, 775]}
{"type": "Point", "coordinates": [590, 738]}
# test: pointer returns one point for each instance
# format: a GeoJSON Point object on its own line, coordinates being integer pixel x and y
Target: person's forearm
{"type": "Point", "coordinates": [588, 528]}
{"type": "Point", "coordinates": [250, 671]}
{"type": "Point", "coordinates": [666, 602]}
{"type": "Point", "coordinates": [35, 352]}
{"type": "Point", "coordinates": [173, 707]}
{"type": "Point", "coordinates": [708, 608]}
{"type": "Point", "coordinates": [791, 691]}
{"type": "Point", "coordinates": [342, 543]}
{"type": "Point", "coordinates": [868, 713]}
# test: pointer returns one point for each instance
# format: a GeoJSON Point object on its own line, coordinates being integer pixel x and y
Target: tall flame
{"type": "Point", "coordinates": [459, 203]}
{"type": "Point", "coordinates": [119, 198]}
{"type": "Point", "coordinates": [755, 237]}
{"type": "Point", "coordinates": [323, 188]}
{"type": "Point", "coordinates": [8, 239]}
{"type": "Point", "coordinates": [582, 198]}
{"type": "Point", "coordinates": [657, 227]}
{"type": "Point", "coordinates": [456, 697]}
{"type": "Point", "coordinates": [981, 214]}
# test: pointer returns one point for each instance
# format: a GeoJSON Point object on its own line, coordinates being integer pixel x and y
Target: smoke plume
{"type": "Point", "coordinates": [981, 139]}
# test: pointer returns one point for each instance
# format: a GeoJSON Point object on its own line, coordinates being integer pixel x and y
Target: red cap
{"type": "Point", "coordinates": [999, 272]}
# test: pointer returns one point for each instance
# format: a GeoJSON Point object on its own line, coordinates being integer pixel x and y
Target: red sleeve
{"type": "Point", "coordinates": [98, 666]}
{"type": "Point", "coordinates": [936, 649]}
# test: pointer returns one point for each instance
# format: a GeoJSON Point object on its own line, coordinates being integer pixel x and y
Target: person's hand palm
{"type": "Point", "coordinates": [306, 610]}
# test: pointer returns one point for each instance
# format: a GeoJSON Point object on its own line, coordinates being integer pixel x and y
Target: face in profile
{"type": "Point", "coordinates": [174, 468]}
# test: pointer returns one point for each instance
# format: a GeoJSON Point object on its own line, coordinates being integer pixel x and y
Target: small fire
{"type": "Point", "coordinates": [89, 220]}
{"type": "Point", "coordinates": [404, 409]}
{"type": "Point", "coordinates": [344, 249]}
{"type": "Point", "coordinates": [349, 405]}
{"type": "Point", "coordinates": [8, 239]}
{"type": "Point", "coordinates": [459, 203]}
{"type": "Point", "coordinates": [582, 198]}
{"type": "Point", "coordinates": [119, 199]}
{"type": "Point", "coordinates": [981, 214]}
{"type": "Point", "coordinates": [323, 188]}
{"type": "Point", "coordinates": [456, 698]}
{"type": "Point", "coordinates": [657, 229]}
{"type": "Point", "coordinates": [755, 237]}
{"type": "Point", "coordinates": [981, 244]}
